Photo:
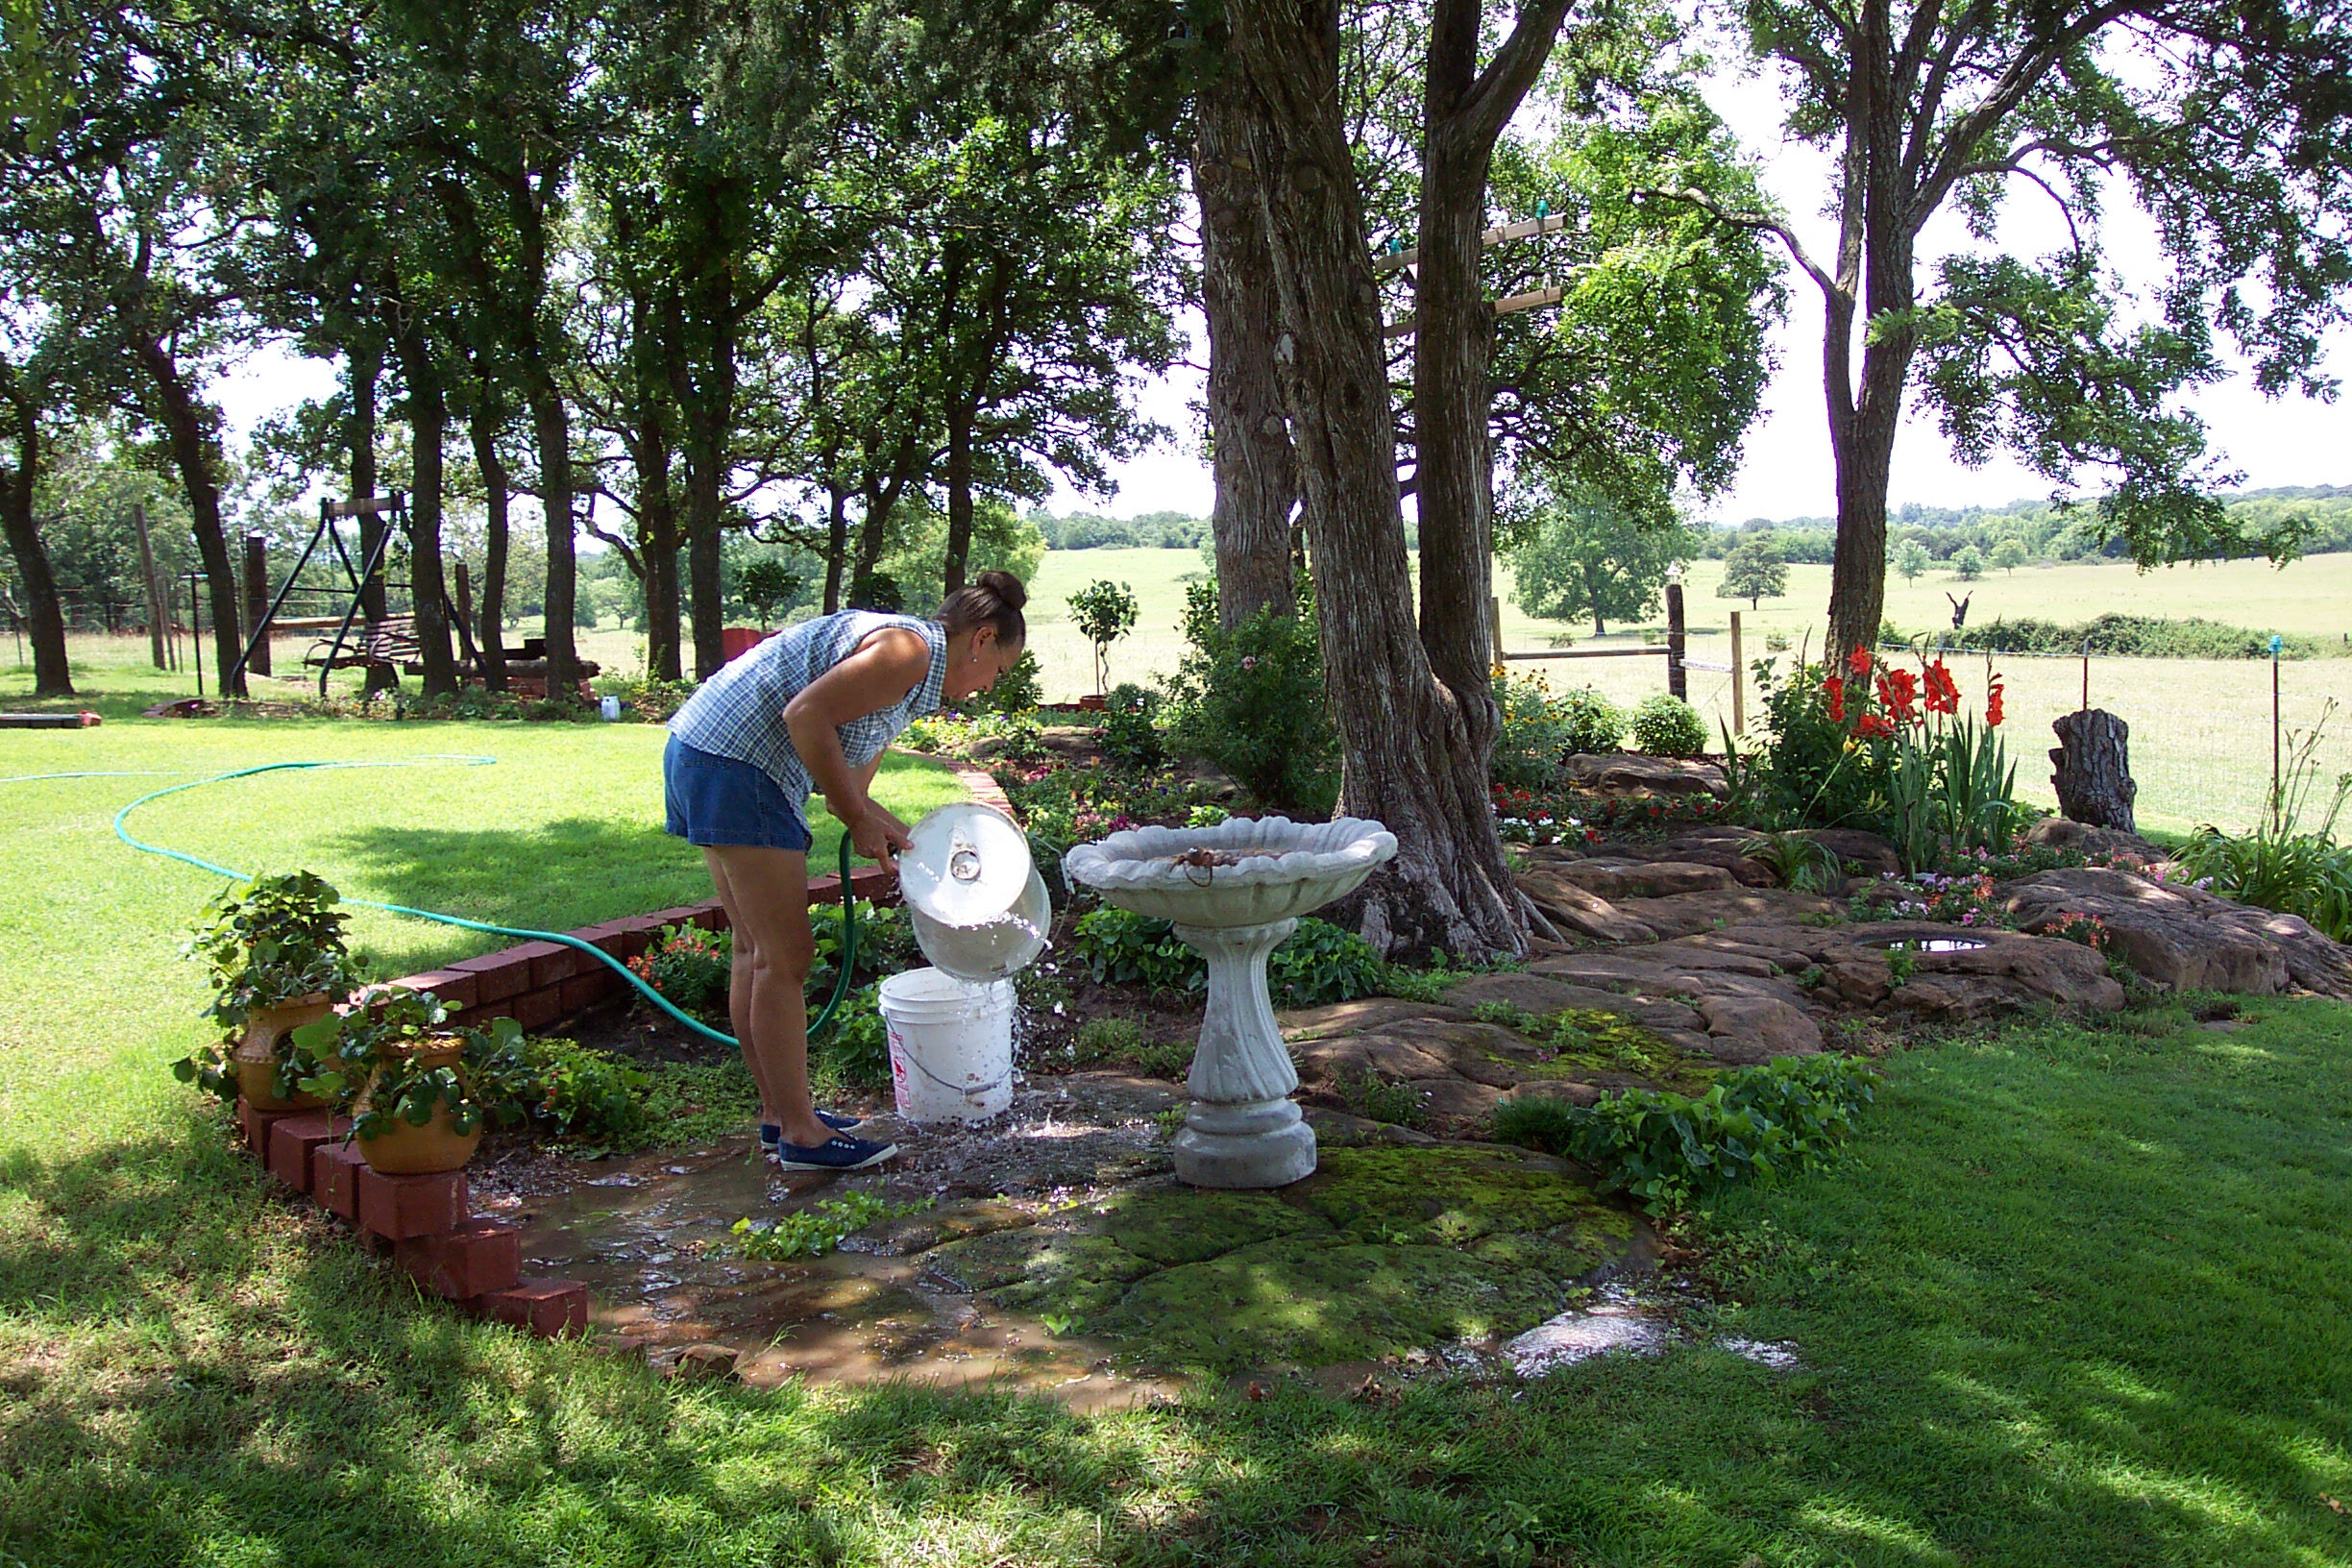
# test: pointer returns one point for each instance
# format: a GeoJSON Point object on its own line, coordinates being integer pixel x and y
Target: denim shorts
{"type": "Point", "coordinates": [718, 800]}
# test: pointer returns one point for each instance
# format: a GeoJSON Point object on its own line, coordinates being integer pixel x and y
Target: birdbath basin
{"type": "Point", "coordinates": [1235, 892]}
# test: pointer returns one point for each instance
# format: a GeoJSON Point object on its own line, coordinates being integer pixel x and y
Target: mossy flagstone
{"type": "Point", "coordinates": [1314, 1299]}
{"type": "Point", "coordinates": [1450, 1195]}
{"type": "Point", "coordinates": [1383, 1250]}
{"type": "Point", "coordinates": [1072, 1270]}
{"type": "Point", "coordinates": [1192, 1224]}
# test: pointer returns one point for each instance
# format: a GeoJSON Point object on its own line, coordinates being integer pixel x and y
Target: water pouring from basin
{"type": "Point", "coordinates": [980, 914]}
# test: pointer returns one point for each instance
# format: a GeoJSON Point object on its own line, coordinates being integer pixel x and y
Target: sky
{"type": "Point", "coordinates": [2288, 441]}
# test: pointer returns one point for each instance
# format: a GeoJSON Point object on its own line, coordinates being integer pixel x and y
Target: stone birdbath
{"type": "Point", "coordinates": [1235, 892]}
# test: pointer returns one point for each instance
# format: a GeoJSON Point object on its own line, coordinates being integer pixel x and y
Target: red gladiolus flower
{"type": "Point", "coordinates": [1898, 690]}
{"type": "Point", "coordinates": [1993, 703]}
{"type": "Point", "coordinates": [1859, 661]}
{"type": "Point", "coordinates": [1835, 690]}
{"type": "Point", "coordinates": [1943, 696]}
{"type": "Point", "coordinates": [1871, 727]}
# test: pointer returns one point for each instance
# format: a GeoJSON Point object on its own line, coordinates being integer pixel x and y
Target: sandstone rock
{"type": "Point", "coordinates": [1558, 1089]}
{"type": "Point", "coordinates": [1626, 773]}
{"type": "Point", "coordinates": [1616, 879]}
{"type": "Point", "coordinates": [1455, 1102]}
{"type": "Point", "coordinates": [1336, 1128]}
{"type": "Point", "coordinates": [704, 1363]}
{"type": "Point", "coordinates": [1875, 855]}
{"type": "Point", "coordinates": [1573, 909]}
{"type": "Point", "coordinates": [1348, 1058]}
{"type": "Point", "coordinates": [1541, 991]}
{"type": "Point", "coordinates": [2059, 833]}
{"type": "Point", "coordinates": [1364, 1012]}
{"type": "Point", "coordinates": [2183, 936]}
{"type": "Point", "coordinates": [1688, 914]}
{"type": "Point", "coordinates": [1744, 1030]}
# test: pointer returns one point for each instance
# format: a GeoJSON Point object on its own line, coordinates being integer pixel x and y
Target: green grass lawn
{"type": "Point", "coordinates": [2082, 1298]}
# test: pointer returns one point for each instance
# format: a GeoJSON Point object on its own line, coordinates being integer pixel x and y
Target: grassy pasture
{"type": "Point", "coordinates": [2079, 1300]}
{"type": "Point", "coordinates": [2201, 730]}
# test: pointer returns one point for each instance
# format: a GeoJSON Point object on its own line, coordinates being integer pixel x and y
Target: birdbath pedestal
{"type": "Point", "coordinates": [1234, 893]}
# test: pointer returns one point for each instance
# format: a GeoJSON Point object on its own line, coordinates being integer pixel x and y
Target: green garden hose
{"type": "Point", "coordinates": [822, 1024]}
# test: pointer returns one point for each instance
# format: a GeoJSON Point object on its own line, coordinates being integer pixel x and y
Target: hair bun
{"type": "Point", "coordinates": [1008, 588]}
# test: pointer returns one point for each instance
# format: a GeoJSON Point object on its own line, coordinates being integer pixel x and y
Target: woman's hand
{"type": "Point", "coordinates": [878, 835]}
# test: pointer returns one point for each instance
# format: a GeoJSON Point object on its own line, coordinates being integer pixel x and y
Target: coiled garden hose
{"type": "Point", "coordinates": [822, 1025]}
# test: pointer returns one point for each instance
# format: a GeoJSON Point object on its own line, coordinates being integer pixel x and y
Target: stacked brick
{"type": "Point", "coordinates": [422, 1222]}
{"type": "Point", "coordinates": [539, 983]}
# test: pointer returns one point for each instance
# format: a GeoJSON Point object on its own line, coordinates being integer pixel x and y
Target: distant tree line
{"type": "Point", "coordinates": [1151, 530]}
{"type": "Point", "coordinates": [2041, 530]}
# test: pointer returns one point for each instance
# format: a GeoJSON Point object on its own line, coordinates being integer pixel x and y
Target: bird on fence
{"type": "Point", "coordinates": [1959, 610]}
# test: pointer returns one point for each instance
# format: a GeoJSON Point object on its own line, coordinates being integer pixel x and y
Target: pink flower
{"type": "Point", "coordinates": [1249, 661]}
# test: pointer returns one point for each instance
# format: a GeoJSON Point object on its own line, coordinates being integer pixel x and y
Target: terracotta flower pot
{"type": "Point", "coordinates": [404, 1150]}
{"type": "Point", "coordinates": [257, 1050]}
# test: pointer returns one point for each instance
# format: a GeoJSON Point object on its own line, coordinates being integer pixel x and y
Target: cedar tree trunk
{"type": "Point", "coordinates": [185, 427]}
{"type": "Point", "coordinates": [359, 439]}
{"type": "Point", "coordinates": [491, 627]}
{"type": "Point", "coordinates": [1409, 756]}
{"type": "Point", "coordinates": [45, 616]}
{"type": "Point", "coordinates": [1249, 438]}
{"type": "Point", "coordinates": [427, 428]}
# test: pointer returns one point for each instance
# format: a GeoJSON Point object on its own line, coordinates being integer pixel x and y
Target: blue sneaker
{"type": "Point", "coordinates": [839, 1153]}
{"type": "Point", "coordinates": [770, 1135]}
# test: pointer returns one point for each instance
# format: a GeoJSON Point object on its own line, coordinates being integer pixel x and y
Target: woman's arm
{"type": "Point", "coordinates": [877, 675]}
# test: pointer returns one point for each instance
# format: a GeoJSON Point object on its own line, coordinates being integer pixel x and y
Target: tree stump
{"type": "Point", "coordinates": [2094, 761]}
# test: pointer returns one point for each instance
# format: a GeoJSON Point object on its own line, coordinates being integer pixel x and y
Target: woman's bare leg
{"type": "Point", "coordinates": [764, 893]}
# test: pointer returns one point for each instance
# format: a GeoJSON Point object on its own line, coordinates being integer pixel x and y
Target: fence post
{"type": "Point", "coordinates": [257, 604]}
{"type": "Point", "coordinates": [1739, 692]}
{"type": "Point", "coordinates": [1677, 680]}
{"type": "Point", "coordinates": [147, 574]}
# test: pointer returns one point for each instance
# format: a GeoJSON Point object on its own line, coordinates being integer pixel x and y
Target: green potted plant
{"type": "Point", "coordinates": [276, 950]}
{"type": "Point", "coordinates": [407, 1079]}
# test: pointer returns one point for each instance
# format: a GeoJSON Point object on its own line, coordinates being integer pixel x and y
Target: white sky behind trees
{"type": "Point", "coordinates": [2288, 441]}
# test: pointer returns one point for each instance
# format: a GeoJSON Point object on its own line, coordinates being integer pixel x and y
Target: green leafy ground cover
{"type": "Point", "coordinates": [2081, 1297]}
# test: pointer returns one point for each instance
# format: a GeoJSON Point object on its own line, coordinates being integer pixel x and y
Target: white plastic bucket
{"type": "Point", "coordinates": [950, 1046]}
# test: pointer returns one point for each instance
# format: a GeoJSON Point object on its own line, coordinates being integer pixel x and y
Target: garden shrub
{"type": "Point", "coordinates": [566, 1090]}
{"type": "Point", "coordinates": [691, 967]}
{"type": "Point", "coordinates": [1320, 963]}
{"type": "Point", "coordinates": [1589, 721]}
{"type": "Point", "coordinates": [884, 943]}
{"type": "Point", "coordinates": [1251, 701]}
{"type": "Point", "coordinates": [856, 1054]}
{"type": "Point", "coordinates": [1671, 1150]}
{"type": "Point", "coordinates": [1665, 726]}
{"type": "Point", "coordinates": [1108, 1039]}
{"type": "Point", "coordinates": [652, 700]}
{"type": "Point", "coordinates": [1130, 734]}
{"type": "Point", "coordinates": [1532, 736]}
{"type": "Point", "coordinates": [2140, 636]}
{"type": "Point", "coordinates": [1019, 690]}
{"type": "Point", "coordinates": [2282, 865]}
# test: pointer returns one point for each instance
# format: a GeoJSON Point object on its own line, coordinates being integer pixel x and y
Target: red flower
{"type": "Point", "coordinates": [1897, 690]}
{"type": "Point", "coordinates": [1943, 696]}
{"type": "Point", "coordinates": [1859, 661]}
{"type": "Point", "coordinates": [1993, 703]}
{"type": "Point", "coordinates": [1836, 692]}
{"type": "Point", "coordinates": [1871, 727]}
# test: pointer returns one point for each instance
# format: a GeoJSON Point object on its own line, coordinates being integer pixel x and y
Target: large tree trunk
{"type": "Point", "coordinates": [960, 419]}
{"type": "Point", "coordinates": [708, 400]}
{"type": "Point", "coordinates": [657, 549]}
{"type": "Point", "coordinates": [1409, 757]}
{"type": "Point", "coordinates": [1862, 444]}
{"type": "Point", "coordinates": [491, 627]}
{"type": "Point", "coordinates": [191, 448]}
{"type": "Point", "coordinates": [359, 443]}
{"type": "Point", "coordinates": [2092, 762]}
{"type": "Point", "coordinates": [44, 615]}
{"type": "Point", "coordinates": [427, 428]}
{"type": "Point", "coordinates": [551, 433]}
{"type": "Point", "coordinates": [837, 545]}
{"type": "Point", "coordinates": [1249, 438]}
